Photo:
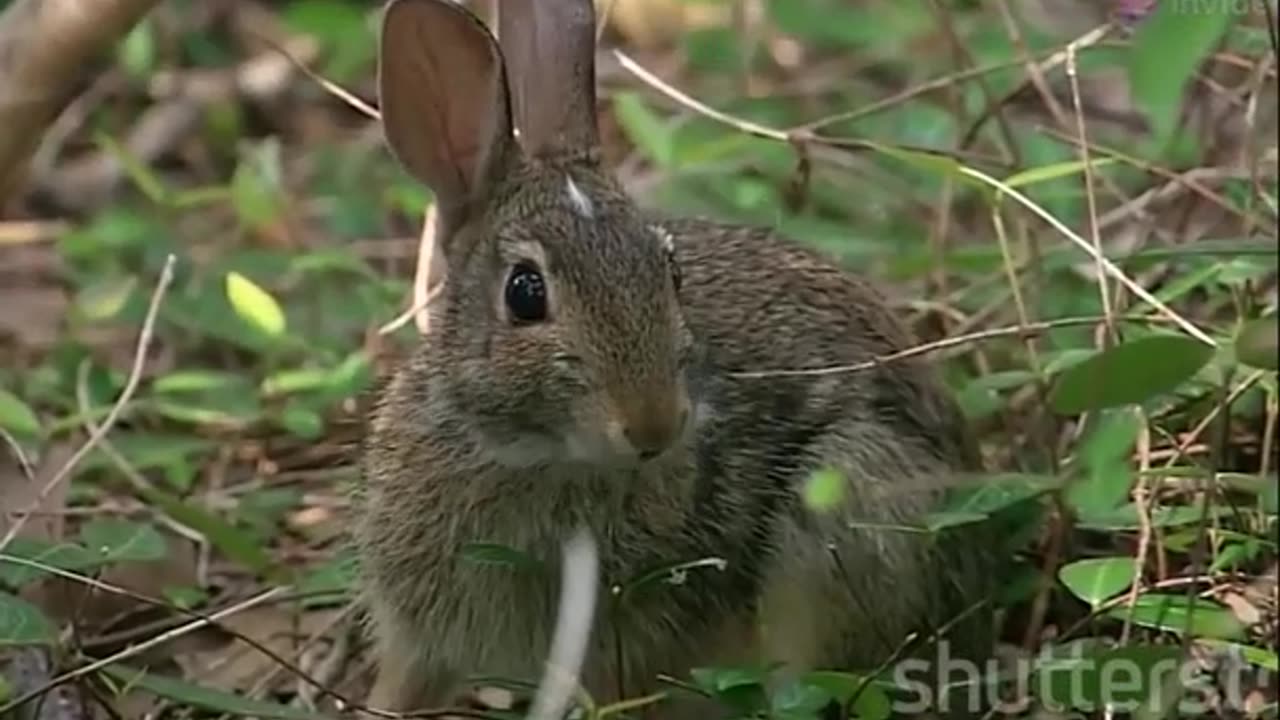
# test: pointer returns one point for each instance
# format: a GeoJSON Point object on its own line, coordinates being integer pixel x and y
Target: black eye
{"type": "Point", "coordinates": [526, 294]}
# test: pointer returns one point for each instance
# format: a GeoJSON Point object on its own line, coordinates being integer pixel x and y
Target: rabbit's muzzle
{"type": "Point", "coordinates": [644, 423]}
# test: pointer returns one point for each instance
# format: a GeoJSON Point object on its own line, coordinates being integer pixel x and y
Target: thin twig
{"type": "Point", "coordinates": [1090, 193]}
{"type": "Point", "coordinates": [140, 648]}
{"type": "Point", "coordinates": [910, 93]}
{"type": "Point", "coordinates": [798, 136]}
{"type": "Point", "coordinates": [1083, 244]}
{"type": "Point", "coordinates": [24, 464]}
{"type": "Point", "coordinates": [1089, 39]}
{"type": "Point", "coordinates": [1141, 497]}
{"type": "Point", "coordinates": [131, 385]}
{"type": "Point", "coordinates": [944, 343]}
{"type": "Point", "coordinates": [1191, 437]}
{"type": "Point", "coordinates": [1269, 435]}
{"type": "Point", "coordinates": [1189, 179]}
{"type": "Point", "coordinates": [329, 86]}
{"type": "Point", "coordinates": [770, 133]}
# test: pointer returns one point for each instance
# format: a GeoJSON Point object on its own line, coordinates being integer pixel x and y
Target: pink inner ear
{"type": "Point", "coordinates": [443, 96]}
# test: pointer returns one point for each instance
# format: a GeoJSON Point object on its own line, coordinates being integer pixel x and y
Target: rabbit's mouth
{"type": "Point", "coordinates": [591, 446]}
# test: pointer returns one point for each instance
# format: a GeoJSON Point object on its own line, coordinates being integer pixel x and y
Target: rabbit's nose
{"type": "Point", "coordinates": [651, 435]}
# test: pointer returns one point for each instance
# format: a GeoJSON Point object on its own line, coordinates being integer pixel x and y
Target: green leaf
{"type": "Point", "coordinates": [1226, 247]}
{"type": "Point", "coordinates": [255, 305]}
{"type": "Point", "coordinates": [1174, 613]}
{"type": "Point", "coordinates": [1118, 678]}
{"type": "Point", "coordinates": [255, 186]}
{"type": "Point", "coordinates": [184, 381]}
{"type": "Point", "coordinates": [644, 128]}
{"type": "Point", "coordinates": [1129, 373]}
{"type": "Point", "coordinates": [872, 701]}
{"type": "Point", "coordinates": [147, 181]}
{"type": "Point", "coordinates": [1107, 473]}
{"type": "Point", "coordinates": [1098, 579]}
{"type": "Point", "coordinates": [301, 421]}
{"type": "Point", "coordinates": [331, 582]}
{"type": "Point", "coordinates": [192, 695]}
{"type": "Point", "coordinates": [16, 417]}
{"type": "Point", "coordinates": [1055, 171]}
{"type": "Point", "coordinates": [1262, 657]}
{"type": "Point", "coordinates": [137, 51]}
{"type": "Point", "coordinates": [1167, 49]}
{"type": "Point", "coordinates": [295, 380]}
{"type": "Point", "coordinates": [123, 541]}
{"type": "Point", "coordinates": [1126, 517]}
{"type": "Point", "coordinates": [106, 298]}
{"type": "Point", "coordinates": [22, 623]}
{"type": "Point", "coordinates": [185, 597]}
{"type": "Point", "coordinates": [939, 165]}
{"type": "Point", "coordinates": [151, 450]}
{"type": "Point", "coordinates": [233, 542]}
{"type": "Point", "coordinates": [993, 494]}
{"type": "Point", "coordinates": [62, 556]}
{"type": "Point", "coordinates": [799, 700]}
{"type": "Point", "coordinates": [342, 29]}
{"type": "Point", "coordinates": [1257, 343]}
{"type": "Point", "coordinates": [1234, 555]}
{"type": "Point", "coordinates": [824, 490]}
{"type": "Point", "coordinates": [719, 679]}
{"type": "Point", "coordinates": [501, 555]}
{"type": "Point", "coordinates": [742, 688]}
{"type": "Point", "coordinates": [831, 23]}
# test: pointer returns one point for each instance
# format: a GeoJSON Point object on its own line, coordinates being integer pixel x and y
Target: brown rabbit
{"type": "Point", "coordinates": [588, 365]}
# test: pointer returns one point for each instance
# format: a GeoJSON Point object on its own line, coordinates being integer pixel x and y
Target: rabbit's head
{"type": "Point", "coordinates": [559, 333]}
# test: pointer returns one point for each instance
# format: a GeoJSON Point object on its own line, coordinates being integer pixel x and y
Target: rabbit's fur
{"type": "Point", "coordinates": [521, 433]}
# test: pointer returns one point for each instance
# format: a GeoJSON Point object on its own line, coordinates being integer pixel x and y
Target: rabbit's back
{"type": "Point", "coordinates": [777, 322]}
{"type": "Point", "coordinates": [848, 584]}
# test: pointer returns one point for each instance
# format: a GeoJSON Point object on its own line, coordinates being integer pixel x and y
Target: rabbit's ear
{"type": "Point", "coordinates": [550, 50]}
{"type": "Point", "coordinates": [445, 106]}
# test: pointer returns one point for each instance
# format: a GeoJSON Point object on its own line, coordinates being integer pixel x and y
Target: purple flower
{"type": "Point", "coordinates": [1131, 11]}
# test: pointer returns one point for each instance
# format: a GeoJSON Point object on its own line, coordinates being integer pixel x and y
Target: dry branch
{"type": "Point", "coordinates": [45, 46]}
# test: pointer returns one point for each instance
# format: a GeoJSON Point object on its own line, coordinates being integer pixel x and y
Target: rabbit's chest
{"type": "Point", "coordinates": [501, 615]}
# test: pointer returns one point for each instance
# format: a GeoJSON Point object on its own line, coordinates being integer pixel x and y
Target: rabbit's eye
{"type": "Point", "coordinates": [526, 294]}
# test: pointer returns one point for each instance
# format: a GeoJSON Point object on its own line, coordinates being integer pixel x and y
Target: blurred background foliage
{"type": "Point", "coordinates": [1134, 449]}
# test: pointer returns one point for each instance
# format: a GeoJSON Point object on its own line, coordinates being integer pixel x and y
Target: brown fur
{"type": "Point", "coordinates": [465, 441]}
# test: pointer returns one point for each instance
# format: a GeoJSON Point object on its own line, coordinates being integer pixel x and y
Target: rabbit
{"type": "Point", "coordinates": [588, 364]}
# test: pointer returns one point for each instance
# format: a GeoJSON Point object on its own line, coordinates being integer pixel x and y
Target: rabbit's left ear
{"type": "Point", "coordinates": [445, 107]}
{"type": "Point", "coordinates": [550, 51]}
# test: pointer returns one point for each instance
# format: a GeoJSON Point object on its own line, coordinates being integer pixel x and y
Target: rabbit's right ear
{"type": "Point", "coordinates": [550, 46]}
{"type": "Point", "coordinates": [444, 100]}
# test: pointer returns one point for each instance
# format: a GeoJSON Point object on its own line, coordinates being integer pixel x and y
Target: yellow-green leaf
{"type": "Point", "coordinates": [106, 298]}
{"type": "Point", "coordinates": [255, 305]}
{"type": "Point", "coordinates": [1097, 580]}
{"type": "Point", "coordinates": [15, 416]}
{"type": "Point", "coordinates": [1055, 171]}
{"type": "Point", "coordinates": [824, 490]}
